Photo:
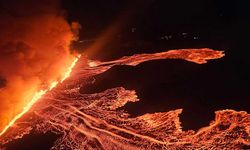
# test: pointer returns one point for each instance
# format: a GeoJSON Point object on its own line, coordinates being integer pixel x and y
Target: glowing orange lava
{"type": "Point", "coordinates": [98, 121]}
{"type": "Point", "coordinates": [38, 95]}
{"type": "Point", "coordinates": [67, 73]}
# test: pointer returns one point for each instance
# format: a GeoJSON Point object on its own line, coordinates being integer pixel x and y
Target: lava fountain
{"type": "Point", "coordinates": [37, 96]}
{"type": "Point", "coordinates": [93, 121]}
{"type": "Point", "coordinates": [34, 54]}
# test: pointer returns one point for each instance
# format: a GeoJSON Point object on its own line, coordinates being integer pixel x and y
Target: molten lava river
{"type": "Point", "coordinates": [93, 121]}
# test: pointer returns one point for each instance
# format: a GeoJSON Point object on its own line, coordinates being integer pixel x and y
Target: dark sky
{"type": "Point", "coordinates": [161, 25]}
{"type": "Point", "coordinates": [147, 26]}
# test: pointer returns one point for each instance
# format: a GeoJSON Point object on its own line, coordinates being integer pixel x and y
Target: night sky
{"type": "Point", "coordinates": [158, 25]}
{"type": "Point", "coordinates": [148, 26]}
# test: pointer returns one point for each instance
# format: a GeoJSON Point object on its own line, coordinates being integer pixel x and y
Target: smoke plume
{"type": "Point", "coordinates": [34, 51]}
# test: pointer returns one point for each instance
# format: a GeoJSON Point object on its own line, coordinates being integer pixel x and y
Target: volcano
{"type": "Point", "coordinates": [124, 75]}
{"type": "Point", "coordinates": [98, 121]}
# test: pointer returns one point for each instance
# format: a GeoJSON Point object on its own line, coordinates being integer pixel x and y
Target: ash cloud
{"type": "Point", "coordinates": [34, 50]}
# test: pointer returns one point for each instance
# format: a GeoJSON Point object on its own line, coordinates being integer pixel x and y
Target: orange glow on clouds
{"type": "Point", "coordinates": [38, 95]}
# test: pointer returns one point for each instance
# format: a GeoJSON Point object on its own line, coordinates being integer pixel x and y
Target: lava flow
{"type": "Point", "coordinates": [93, 121]}
{"type": "Point", "coordinates": [37, 96]}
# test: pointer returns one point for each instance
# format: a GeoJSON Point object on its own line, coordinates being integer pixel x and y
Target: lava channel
{"type": "Point", "coordinates": [93, 121]}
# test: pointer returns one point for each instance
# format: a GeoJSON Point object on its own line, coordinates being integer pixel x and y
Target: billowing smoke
{"type": "Point", "coordinates": [34, 51]}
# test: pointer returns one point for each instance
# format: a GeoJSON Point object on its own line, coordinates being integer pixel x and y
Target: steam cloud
{"type": "Point", "coordinates": [34, 51]}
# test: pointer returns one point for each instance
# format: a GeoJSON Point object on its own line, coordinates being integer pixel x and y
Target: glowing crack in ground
{"type": "Point", "coordinates": [92, 121]}
{"type": "Point", "coordinates": [37, 96]}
